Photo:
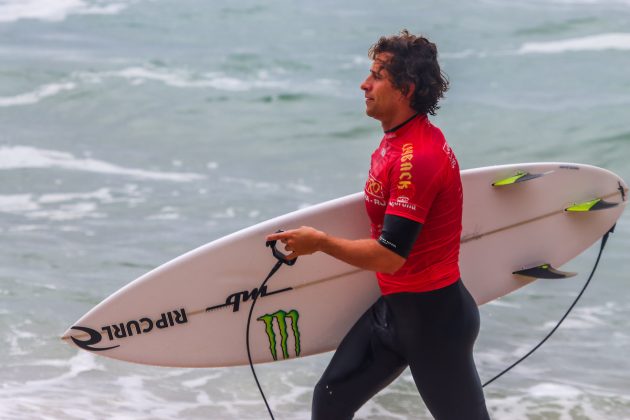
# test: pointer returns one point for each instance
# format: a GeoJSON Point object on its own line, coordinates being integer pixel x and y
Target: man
{"type": "Point", "coordinates": [425, 318]}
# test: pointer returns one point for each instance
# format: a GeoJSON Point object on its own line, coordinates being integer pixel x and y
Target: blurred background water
{"type": "Point", "coordinates": [135, 130]}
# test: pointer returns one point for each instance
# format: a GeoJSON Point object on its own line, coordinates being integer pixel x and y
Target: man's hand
{"type": "Point", "coordinates": [302, 241]}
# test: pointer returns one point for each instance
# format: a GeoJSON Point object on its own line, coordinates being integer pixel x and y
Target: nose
{"type": "Point", "coordinates": [365, 86]}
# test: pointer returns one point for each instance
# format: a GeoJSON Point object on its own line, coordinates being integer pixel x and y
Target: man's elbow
{"type": "Point", "coordinates": [392, 264]}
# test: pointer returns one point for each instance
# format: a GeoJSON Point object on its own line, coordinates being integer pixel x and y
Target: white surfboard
{"type": "Point", "coordinates": [192, 311]}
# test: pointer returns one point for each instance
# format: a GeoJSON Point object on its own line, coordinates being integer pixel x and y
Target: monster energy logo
{"type": "Point", "coordinates": [281, 319]}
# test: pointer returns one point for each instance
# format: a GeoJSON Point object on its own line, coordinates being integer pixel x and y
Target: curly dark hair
{"type": "Point", "coordinates": [413, 62]}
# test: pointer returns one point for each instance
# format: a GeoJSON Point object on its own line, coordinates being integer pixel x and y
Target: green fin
{"type": "Point", "coordinates": [544, 271]}
{"type": "Point", "coordinates": [597, 204]}
{"type": "Point", "coordinates": [520, 176]}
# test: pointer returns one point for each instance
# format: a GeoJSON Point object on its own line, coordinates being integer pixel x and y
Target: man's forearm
{"type": "Point", "coordinates": [363, 253]}
{"type": "Point", "coordinates": [367, 254]}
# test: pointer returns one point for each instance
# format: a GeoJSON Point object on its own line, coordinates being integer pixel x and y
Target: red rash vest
{"type": "Point", "coordinates": [414, 174]}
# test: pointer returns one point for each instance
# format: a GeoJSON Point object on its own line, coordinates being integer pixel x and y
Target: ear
{"type": "Point", "coordinates": [406, 97]}
{"type": "Point", "coordinates": [410, 92]}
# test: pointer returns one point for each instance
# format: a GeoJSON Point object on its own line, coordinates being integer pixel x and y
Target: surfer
{"type": "Point", "coordinates": [425, 318]}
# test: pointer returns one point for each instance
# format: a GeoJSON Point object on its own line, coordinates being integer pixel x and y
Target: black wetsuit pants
{"type": "Point", "coordinates": [433, 333]}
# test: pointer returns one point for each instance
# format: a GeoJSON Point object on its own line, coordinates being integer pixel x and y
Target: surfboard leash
{"type": "Point", "coordinates": [282, 260]}
{"type": "Point", "coordinates": [575, 301]}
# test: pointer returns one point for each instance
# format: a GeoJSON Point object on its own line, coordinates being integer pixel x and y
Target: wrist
{"type": "Point", "coordinates": [323, 241]}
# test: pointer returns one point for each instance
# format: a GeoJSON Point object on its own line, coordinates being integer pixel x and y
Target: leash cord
{"type": "Point", "coordinates": [601, 249]}
{"type": "Point", "coordinates": [281, 260]}
{"type": "Point", "coordinates": [249, 319]}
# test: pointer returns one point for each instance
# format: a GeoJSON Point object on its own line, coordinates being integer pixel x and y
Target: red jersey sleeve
{"type": "Point", "coordinates": [414, 183]}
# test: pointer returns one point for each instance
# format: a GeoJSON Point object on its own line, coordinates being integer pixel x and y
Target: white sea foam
{"type": "Point", "coordinates": [228, 213]}
{"type": "Point", "coordinates": [65, 206]}
{"type": "Point", "coordinates": [30, 207]}
{"type": "Point", "coordinates": [36, 95]}
{"type": "Point", "coordinates": [104, 195]}
{"type": "Point", "coordinates": [503, 303]}
{"type": "Point", "coordinates": [551, 390]}
{"type": "Point", "coordinates": [460, 54]}
{"type": "Point", "coordinates": [26, 228]}
{"type": "Point", "coordinates": [139, 75]}
{"type": "Point", "coordinates": [251, 184]}
{"type": "Point", "coordinates": [69, 212]}
{"type": "Point", "coordinates": [44, 398]}
{"type": "Point", "coordinates": [57, 10]}
{"type": "Point", "coordinates": [554, 400]}
{"type": "Point", "coordinates": [601, 42]}
{"type": "Point", "coordinates": [80, 363]}
{"type": "Point", "coordinates": [269, 187]}
{"type": "Point", "coordinates": [166, 213]}
{"type": "Point", "coordinates": [301, 188]}
{"type": "Point", "coordinates": [357, 61]}
{"type": "Point", "coordinates": [586, 318]}
{"type": "Point", "coordinates": [17, 203]}
{"type": "Point", "coordinates": [185, 79]}
{"type": "Point", "coordinates": [15, 336]}
{"type": "Point", "coordinates": [142, 403]}
{"type": "Point", "coordinates": [201, 381]}
{"type": "Point", "coordinates": [19, 157]}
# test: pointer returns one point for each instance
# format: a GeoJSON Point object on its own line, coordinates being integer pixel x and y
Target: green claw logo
{"type": "Point", "coordinates": [281, 319]}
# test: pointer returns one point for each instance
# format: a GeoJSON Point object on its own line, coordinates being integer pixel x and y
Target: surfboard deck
{"type": "Point", "coordinates": [192, 311]}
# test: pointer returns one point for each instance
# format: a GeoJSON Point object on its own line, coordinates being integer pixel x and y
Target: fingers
{"type": "Point", "coordinates": [285, 237]}
{"type": "Point", "coordinates": [301, 241]}
{"type": "Point", "coordinates": [281, 236]}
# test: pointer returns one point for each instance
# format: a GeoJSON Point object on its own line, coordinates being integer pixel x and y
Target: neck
{"type": "Point", "coordinates": [396, 127]}
{"type": "Point", "coordinates": [399, 120]}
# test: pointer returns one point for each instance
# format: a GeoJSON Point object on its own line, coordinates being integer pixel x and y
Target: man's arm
{"type": "Point", "coordinates": [387, 255]}
{"type": "Point", "coordinates": [363, 253]}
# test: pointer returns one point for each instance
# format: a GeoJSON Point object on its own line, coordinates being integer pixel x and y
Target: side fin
{"type": "Point", "coordinates": [520, 176]}
{"type": "Point", "coordinates": [597, 204]}
{"type": "Point", "coordinates": [544, 271]}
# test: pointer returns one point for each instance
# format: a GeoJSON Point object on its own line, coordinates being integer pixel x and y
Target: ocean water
{"type": "Point", "coordinates": [135, 130]}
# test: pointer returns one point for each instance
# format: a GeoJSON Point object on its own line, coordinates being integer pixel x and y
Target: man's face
{"type": "Point", "coordinates": [382, 100]}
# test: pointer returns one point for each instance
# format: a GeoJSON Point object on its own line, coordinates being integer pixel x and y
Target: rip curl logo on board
{"type": "Point", "coordinates": [95, 338]}
{"type": "Point", "coordinates": [120, 330]}
{"type": "Point", "coordinates": [281, 317]}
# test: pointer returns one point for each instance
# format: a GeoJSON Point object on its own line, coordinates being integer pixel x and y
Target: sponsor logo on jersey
{"type": "Point", "coordinates": [450, 155]}
{"type": "Point", "coordinates": [402, 202]}
{"type": "Point", "coordinates": [281, 317]}
{"type": "Point", "coordinates": [374, 187]}
{"type": "Point", "coordinates": [405, 179]}
{"type": "Point", "coordinates": [406, 189]}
